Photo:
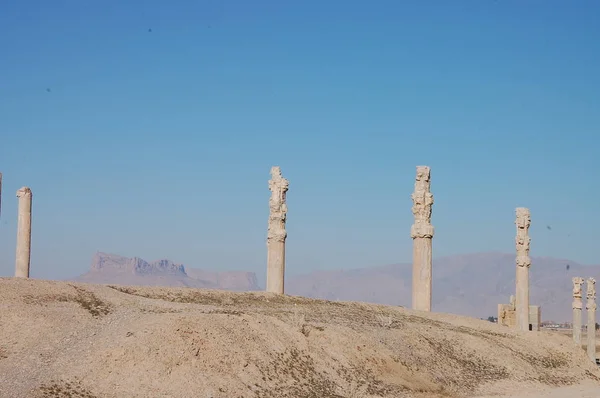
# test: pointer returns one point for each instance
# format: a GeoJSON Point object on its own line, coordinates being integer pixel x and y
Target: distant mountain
{"type": "Point", "coordinates": [111, 268]}
{"type": "Point", "coordinates": [471, 284]}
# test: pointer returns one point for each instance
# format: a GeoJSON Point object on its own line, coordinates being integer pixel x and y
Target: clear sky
{"type": "Point", "coordinates": [158, 143]}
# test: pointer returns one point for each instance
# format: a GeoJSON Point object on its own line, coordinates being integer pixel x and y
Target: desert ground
{"type": "Point", "coordinates": [60, 339]}
{"type": "Point", "coordinates": [569, 333]}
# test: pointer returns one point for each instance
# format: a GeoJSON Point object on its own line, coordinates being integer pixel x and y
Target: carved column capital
{"type": "Point", "coordinates": [277, 236]}
{"type": "Point", "coordinates": [591, 294]}
{"type": "Point", "coordinates": [421, 231]}
{"type": "Point", "coordinates": [577, 283]}
{"type": "Point", "coordinates": [277, 206]}
{"type": "Point", "coordinates": [522, 240]}
{"type": "Point", "coordinates": [422, 204]}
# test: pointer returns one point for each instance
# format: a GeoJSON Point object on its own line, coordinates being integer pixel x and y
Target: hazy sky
{"type": "Point", "coordinates": [159, 143]}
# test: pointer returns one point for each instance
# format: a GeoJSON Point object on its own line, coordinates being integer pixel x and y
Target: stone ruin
{"type": "Point", "coordinates": [591, 314]}
{"type": "Point", "coordinates": [577, 308]}
{"type": "Point", "coordinates": [422, 234]}
{"type": "Point", "coordinates": [590, 305]}
{"type": "Point", "coordinates": [519, 313]}
{"type": "Point", "coordinates": [507, 315]}
{"type": "Point", "coordinates": [276, 234]}
{"type": "Point", "coordinates": [23, 256]}
{"type": "Point", "coordinates": [523, 241]}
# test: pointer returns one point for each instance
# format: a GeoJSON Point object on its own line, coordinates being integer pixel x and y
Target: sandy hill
{"type": "Point", "coordinates": [62, 339]}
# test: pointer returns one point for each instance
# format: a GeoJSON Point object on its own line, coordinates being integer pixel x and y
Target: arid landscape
{"type": "Point", "coordinates": [62, 339]}
{"type": "Point", "coordinates": [299, 199]}
{"type": "Point", "coordinates": [470, 284]}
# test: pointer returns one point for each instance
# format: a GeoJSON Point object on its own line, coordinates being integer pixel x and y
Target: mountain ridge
{"type": "Point", "coordinates": [113, 268]}
{"type": "Point", "coordinates": [469, 284]}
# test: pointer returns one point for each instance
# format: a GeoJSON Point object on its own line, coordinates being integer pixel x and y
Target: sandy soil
{"type": "Point", "coordinates": [569, 333]}
{"type": "Point", "coordinates": [61, 339]}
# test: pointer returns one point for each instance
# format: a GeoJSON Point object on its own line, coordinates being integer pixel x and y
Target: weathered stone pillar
{"type": "Point", "coordinates": [276, 234]}
{"type": "Point", "coordinates": [422, 234]}
{"type": "Point", "coordinates": [591, 318]}
{"type": "Point", "coordinates": [23, 233]}
{"type": "Point", "coordinates": [577, 307]}
{"type": "Point", "coordinates": [523, 241]}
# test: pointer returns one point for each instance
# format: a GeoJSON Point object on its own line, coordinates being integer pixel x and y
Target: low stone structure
{"type": "Point", "coordinates": [577, 308]}
{"type": "Point", "coordinates": [422, 234]}
{"type": "Point", "coordinates": [535, 317]}
{"type": "Point", "coordinates": [507, 315]}
{"type": "Point", "coordinates": [277, 234]}
{"type": "Point", "coordinates": [23, 256]}
{"type": "Point", "coordinates": [523, 260]}
{"type": "Point", "coordinates": [591, 318]}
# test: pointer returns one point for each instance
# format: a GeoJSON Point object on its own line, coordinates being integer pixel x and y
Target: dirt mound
{"type": "Point", "coordinates": [79, 340]}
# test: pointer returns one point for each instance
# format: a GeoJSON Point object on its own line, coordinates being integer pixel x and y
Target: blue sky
{"type": "Point", "coordinates": [159, 144]}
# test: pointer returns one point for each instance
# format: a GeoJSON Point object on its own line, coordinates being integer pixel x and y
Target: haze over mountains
{"type": "Point", "coordinates": [112, 268]}
{"type": "Point", "coordinates": [470, 284]}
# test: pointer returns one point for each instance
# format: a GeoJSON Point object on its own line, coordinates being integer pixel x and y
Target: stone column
{"type": "Point", "coordinates": [577, 307]}
{"type": "Point", "coordinates": [523, 241]}
{"type": "Point", "coordinates": [276, 233]}
{"type": "Point", "coordinates": [23, 233]}
{"type": "Point", "coordinates": [591, 318]}
{"type": "Point", "coordinates": [422, 234]}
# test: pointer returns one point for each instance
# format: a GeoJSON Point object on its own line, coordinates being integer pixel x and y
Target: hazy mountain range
{"type": "Point", "coordinates": [112, 268]}
{"type": "Point", "coordinates": [470, 284]}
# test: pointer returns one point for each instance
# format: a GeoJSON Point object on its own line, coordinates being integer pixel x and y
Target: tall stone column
{"type": "Point", "coordinates": [523, 242]}
{"type": "Point", "coordinates": [23, 234]}
{"type": "Point", "coordinates": [591, 318]}
{"type": "Point", "coordinates": [422, 234]}
{"type": "Point", "coordinates": [276, 233]}
{"type": "Point", "coordinates": [577, 307]}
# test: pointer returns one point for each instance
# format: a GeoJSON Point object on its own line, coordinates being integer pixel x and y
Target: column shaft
{"type": "Point", "coordinates": [23, 255]}
{"type": "Point", "coordinates": [422, 234]}
{"type": "Point", "coordinates": [276, 234]}
{"type": "Point", "coordinates": [523, 242]}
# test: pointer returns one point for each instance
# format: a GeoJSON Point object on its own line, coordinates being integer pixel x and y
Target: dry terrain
{"type": "Point", "coordinates": [61, 339]}
{"type": "Point", "coordinates": [569, 333]}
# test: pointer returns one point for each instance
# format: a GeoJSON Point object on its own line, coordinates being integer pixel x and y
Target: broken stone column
{"type": "Point", "coordinates": [23, 233]}
{"type": "Point", "coordinates": [276, 233]}
{"type": "Point", "coordinates": [577, 307]}
{"type": "Point", "coordinates": [591, 318]}
{"type": "Point", "coordinates": [523, 242]}
{"type": "Point", "coordinates": [422, 234]}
